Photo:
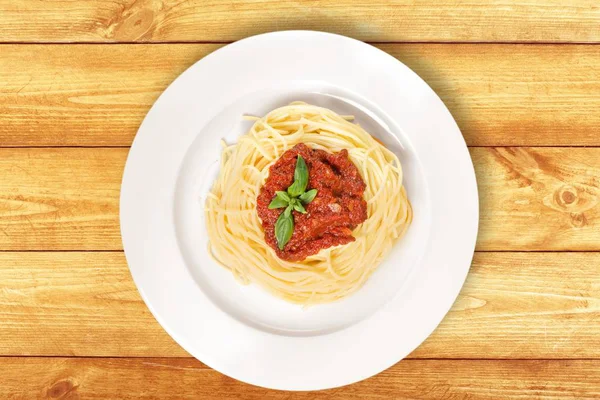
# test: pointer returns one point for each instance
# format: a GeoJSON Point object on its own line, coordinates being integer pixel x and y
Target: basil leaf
{"type": "Point", "coordinates": [283, 196]}
{"type": "Point", "coordinates": [277, 203]}
{"type": "Point", "coordinates": [284, 227]}
{"type": "Point", "coordinates": [294, 190]}
{"type": "Point", "coordinates": [299, 207]}
{"type": "Point", "coordinates": [300, 178]}
{"type": "Point", "coordinates": [309, 196]}
{"type": "Point", "coordinates": [301, 173]}
{"type": "Point", "coordinates": [288, 210]}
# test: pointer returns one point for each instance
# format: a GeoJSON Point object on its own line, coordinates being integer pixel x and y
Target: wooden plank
{"type": "Point", "coordinates": [379, 20]}
{"type": "Point", "coordinates": [60, 198]}
{"type": "Point", "coordinates": [513, 305]}
{"type": "Point", "coordinates": [84, 95]}
{"type": "Point", "coordinates": [160, 378]}
{"type": "Point", "coordinates": [75, 304]}
{"type": "Point", "coordinates": [538, 198]}
{"type": "Point", "coordinates": [514, 95]}
{"type": "Point", "coordinates": [500, 95]}
{"type": "Point", "coordinates": [531, 198]}
{"type": "Point", "coordinates": [523, 305]}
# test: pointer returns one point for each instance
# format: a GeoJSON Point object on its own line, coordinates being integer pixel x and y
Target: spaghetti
{"type": "Point", "coordinates": [236, 236]}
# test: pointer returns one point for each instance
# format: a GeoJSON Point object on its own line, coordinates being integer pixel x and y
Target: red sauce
{"type": "Point", "coordinates": [330, 218]}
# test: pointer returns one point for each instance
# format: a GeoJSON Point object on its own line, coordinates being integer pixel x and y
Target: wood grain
{"type": "Point", "coordinates": [84, 95]}
{"type": "Point", "coordinates": [500, 95]}
{"type": "Point", "coordinates": [531, 198]}
{"type": "Point", "coordinates": [514, 95]}
{"type": "Point", "coordinates": [60, 198]}
{"type": "Point", "coordinates": [75, 304]}
{"type": "Point", "coordinates": [523, 305]}
{"type": "Point", "coordinates": [538, 198]}
{"type": "Point", "coordinates": [154, 378]}
{"type": "Point", "coordinates": [220, 20]}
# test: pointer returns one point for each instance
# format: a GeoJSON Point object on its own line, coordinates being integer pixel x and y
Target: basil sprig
{"type": "Point", "coordinates": [300, 178]}
{"type": "Point", "coordinates": [295, 198]}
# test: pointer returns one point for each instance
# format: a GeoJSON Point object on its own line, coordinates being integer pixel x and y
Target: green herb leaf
{"type": "Point", "coordinates": [288, 210]}
{"type": "Point", "coordinates": [292, 200]}
{"type": "Point", "coordinates": [283, 196]}
{"type": "Point", "coordinates": [309, 196]}
{"type": "Point", "coordinates": [299, 207]}
{"type": "Point", "coordinates": [284, 227]}
{"type": "Point", "coordinates": [277, 203]}
{"type": "Point", "coordinates": [300, 178]}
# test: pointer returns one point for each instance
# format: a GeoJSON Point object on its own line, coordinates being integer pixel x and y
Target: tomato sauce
{"type": "Point", "coordinates": [336, 210]}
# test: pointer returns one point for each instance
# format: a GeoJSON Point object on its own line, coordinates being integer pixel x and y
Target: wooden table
{"type": "Point", "coordinates": [522, 78]}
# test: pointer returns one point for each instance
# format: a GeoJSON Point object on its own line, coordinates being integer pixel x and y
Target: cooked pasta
{"type": "Point", "coordinates": [236, 233]}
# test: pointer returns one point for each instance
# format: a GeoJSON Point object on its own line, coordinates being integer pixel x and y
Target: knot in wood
{"type": "Point", "coordinates": [566, 198]}
{"type": "Point", "coordinates": [63, 388]}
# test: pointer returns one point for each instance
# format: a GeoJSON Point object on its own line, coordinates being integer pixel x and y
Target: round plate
{"type": "Point", "coordinates": [242, 331]}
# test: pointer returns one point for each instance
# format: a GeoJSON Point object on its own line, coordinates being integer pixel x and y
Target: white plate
{"type": "Point", "coordinates": [241, 330]}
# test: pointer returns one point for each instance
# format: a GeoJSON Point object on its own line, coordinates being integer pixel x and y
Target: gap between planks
{"type": "Point", "coordinates": [374, 43]}
{"type": "Point", "coordinates": [133, 357]}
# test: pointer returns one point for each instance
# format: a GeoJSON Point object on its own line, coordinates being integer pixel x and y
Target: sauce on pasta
{"type": "Point", "coordinates": [336, 210]}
